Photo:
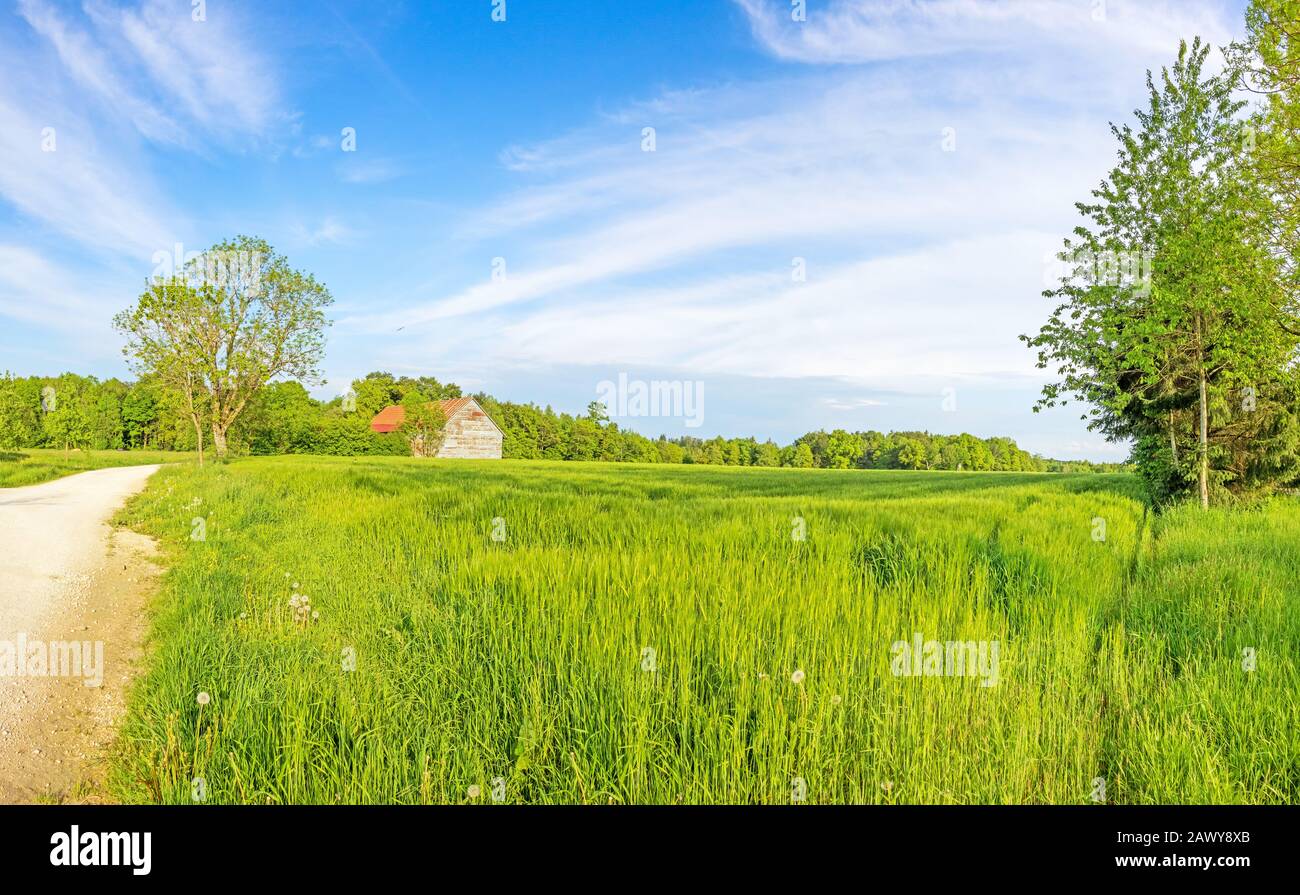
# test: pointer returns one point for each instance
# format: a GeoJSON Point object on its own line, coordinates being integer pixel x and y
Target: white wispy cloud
{"type": "Point", "coordinates": [330, 231]}
{"type": "Point", "coordinates": [167, 72]}
{"type": "Point", "coordinates": [366, 170]}
{"type": "Point", "coordinates": [35, 290]}
{"type": "Point", "coordinates": [856, 31]}
{"type": "Point", "coordinates": [56, 171]}
{"type": "Point", "coordinates": [92, 67]}
{"type": "Point", "coordinates": [80, 103]}
{"type": "Point", "coordinates": [207, 70]}
{"type": "Point", "coordinates": [847, 404]}
{"type": "Point", "coordinates": [940, 313]}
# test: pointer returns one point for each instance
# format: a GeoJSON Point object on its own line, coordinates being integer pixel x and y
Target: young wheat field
{"type": "Point", "coordinates": [392, 630]}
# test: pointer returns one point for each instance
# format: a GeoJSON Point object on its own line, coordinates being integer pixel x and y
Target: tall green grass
{"type": "Point", "coordinates": [31, 466]}
{"type": "Point", "coordinates": [637, 633]}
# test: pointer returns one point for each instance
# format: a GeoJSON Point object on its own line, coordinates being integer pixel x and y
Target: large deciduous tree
{"type": "Point", "coordinates": [1174, 322]}
{"type": "Point", "coordinates": [236, 318]}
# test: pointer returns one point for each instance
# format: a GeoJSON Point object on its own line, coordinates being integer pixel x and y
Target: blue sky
{"type": "Point", "coordinates": [917, 159]}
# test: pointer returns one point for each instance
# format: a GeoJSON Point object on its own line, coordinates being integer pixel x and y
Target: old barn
{"type": "Point", "coordinates": [469, 433]}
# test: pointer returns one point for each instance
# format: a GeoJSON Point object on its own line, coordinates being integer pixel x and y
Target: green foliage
{"type": "Point", "coordinates": [19, 422]}
{"type": "Point", "coordinates": [72, 411]}
{"type": "Point", "coordinates": [141, 415]}
{"type": "Point", "coordinates": [1193, 340]}
{"type": "Point", "coordinates": [803, 456]}
{"type": "Point", "coordinates": [1268, 63]}
{"type": "Point", "coordinates": [379, 390]}
{"type": "Point", "coordinates": [67, 413]}
{"type": "Point", "coordinates": [423, 424]}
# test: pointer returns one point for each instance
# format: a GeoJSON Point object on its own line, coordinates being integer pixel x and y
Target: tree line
{"type": "Point", "coordinates": [81, 412]}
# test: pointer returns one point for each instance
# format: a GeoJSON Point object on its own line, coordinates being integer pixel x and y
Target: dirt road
{"type": "Point", "coordinates": [72, 598]}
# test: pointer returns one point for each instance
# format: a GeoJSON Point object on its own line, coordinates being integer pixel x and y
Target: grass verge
{"type": "Point", "coordinates": [31, 466]}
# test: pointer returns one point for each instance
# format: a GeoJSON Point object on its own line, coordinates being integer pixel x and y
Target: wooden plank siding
{"type": "Point", "coordinates": [471, 435]}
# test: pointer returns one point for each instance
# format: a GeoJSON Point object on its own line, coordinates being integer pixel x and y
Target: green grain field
{"type": "Point", "coordinates": [529, 632]}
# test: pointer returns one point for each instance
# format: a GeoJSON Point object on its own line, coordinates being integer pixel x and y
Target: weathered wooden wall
{"type": "Point", "coordinates": [471, 435]}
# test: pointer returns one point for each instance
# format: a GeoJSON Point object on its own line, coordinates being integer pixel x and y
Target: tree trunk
{"type": "Point", "coordinates": [194, 414]}
{"type": "Point", "coordinates": [198, 435]}
{"type": "Point", "coordinates": [1205, 445]}
{"type": "Point", "coordinates": [1173, 438]}
{"type": "Point", "coordinates": [219, 441]}
{"type": "Point", "coordinates": [1204, 440]}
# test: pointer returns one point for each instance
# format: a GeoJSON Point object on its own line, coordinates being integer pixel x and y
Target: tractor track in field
{"type": "Point", "coordinates": [69, 582]}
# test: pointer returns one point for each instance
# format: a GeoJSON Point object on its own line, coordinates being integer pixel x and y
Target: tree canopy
{"type": "Point", "coordinates": [238, 317]}
{"type": "Point", "coordinates": [1177, 320]}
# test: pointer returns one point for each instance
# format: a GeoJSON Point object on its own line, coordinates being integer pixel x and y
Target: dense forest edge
{"type": "Point", "coordinates": [71, 411]}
